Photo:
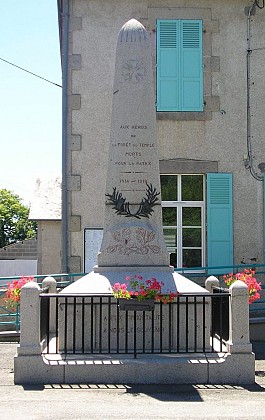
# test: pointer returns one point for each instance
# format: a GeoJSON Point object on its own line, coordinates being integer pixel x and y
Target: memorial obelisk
{"type": "Point", "coordinates": [133, 241]}
{"type": "Point", "coordinates": [133, 235]}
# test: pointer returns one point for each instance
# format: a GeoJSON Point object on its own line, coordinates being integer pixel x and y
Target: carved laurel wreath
{"type": "Point", "coordinates": [134, 241]}
{"type": "Point", "coordinates": [145, 209]}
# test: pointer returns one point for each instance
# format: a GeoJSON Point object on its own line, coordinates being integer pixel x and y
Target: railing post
{"type": "Point", "coordinates": [30, 320]}
{"type": "Point", "coordinates": [239, 319]}
{"type": "Point", "coordinates": [210, 282]}
{"type": "Point", "coordinates": [51, 283]}
{"type": "Point", "coordinates": [17, 320]}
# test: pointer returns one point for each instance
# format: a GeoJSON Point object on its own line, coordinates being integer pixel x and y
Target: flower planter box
{"type": "Point", "coordinates": [136, 305]}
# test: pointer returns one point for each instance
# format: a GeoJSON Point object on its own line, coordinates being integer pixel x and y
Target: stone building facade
{"type": "Point", "coordinates": [210, 124]}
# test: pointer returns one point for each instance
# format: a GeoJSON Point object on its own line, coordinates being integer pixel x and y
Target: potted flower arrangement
{"type": "Point", "coordinates": [13, 293]}
{"type": "Point", "coordinates": [247, 276]}
{"type": "Point", "coordinates": [139, 294]}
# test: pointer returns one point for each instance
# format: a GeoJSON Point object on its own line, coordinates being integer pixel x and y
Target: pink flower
{"type": "Point", "coordinates": [148, 282]}
{"type": "Point", "coordinates": [14, 291]}
{"type": "Point", "coordinates": [149, 289]}
{"type": "Point", "coordinates": [248, 279]}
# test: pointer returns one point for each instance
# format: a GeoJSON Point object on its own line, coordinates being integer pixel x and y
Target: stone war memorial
{"type": "Point", "coordinates": [133, 241]}
{"type": "Point", "coordinates": [87, 336]}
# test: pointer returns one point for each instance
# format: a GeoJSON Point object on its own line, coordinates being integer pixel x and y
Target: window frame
{"type": "Point", "coordinates": [180, 204]}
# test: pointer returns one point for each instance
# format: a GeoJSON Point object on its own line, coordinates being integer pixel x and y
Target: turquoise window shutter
{"type": "Point", "coordinates": [179, 65]}
{"type": "Point", "coordinates": [264, 216]}
{"type": "Point", "coordinates": [219, 221]}
{"type": "Point", "coordinates": [167, 65]}
{"type": "Point", "coordinates": [191, 65]}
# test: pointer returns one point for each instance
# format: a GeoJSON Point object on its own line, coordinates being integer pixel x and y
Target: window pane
{"type": "Point", "coordinates": [191, 216]}
{"type": "Point", "coordinates": [170, 236]}
{"type": "Point", "coordinates": [192, 188]}
{"type": "Point", "coordinates": [169, 187]}
{"type": "Point", "coordinates": [173, 259]}
{"type": "Point", "coordinates": [169, 215]}
{"type": "Point", "coordinates": [192, 258]}
{"type": "Point", "coordinates": [191, 237]}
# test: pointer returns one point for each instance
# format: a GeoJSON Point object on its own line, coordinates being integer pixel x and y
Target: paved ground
{"type": "Point", "coordinates": [104, 402]}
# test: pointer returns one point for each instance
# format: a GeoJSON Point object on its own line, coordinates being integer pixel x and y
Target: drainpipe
{"type": "Point", "coordinates": [65, 29]}
{"type": "Point", "coordinates": [249, 161]}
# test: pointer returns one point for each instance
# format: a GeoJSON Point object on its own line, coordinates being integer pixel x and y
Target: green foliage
{"type": "Point", "coordinates": [191, 188]}
{"type": "Point", "coordinates": [14, 223]}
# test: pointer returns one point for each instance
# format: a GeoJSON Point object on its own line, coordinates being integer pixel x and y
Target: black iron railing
{"type": "Point", "coordinates": [12, 319]}
{"type": "Point", "coordinates": [44, 319]}
{"type": "Point", "coordinates": [220, 313]}
{"type": "Point", "coordinates": [95, 325]}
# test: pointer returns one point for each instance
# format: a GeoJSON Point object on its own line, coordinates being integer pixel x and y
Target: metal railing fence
{"type": "Point", "coordinates": [218, 270]}
{"type": "Point", "coordinates": [220, 313]}
{"type": "Point", "coordinates": [8, 316]}
{"type": "Point", "coordinates": [95, 325]}
{"type": "Point", "coordinates": [257, 307]}
{"type": "Point", "coordinates": [11, 318]}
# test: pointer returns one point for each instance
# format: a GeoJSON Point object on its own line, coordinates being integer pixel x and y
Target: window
{"type": "Point", "coordinates": [183, 212]}
{"type": "Point", "coordinates": [179, 65]}
{"type": "Point", "coordinates": [93, 238]}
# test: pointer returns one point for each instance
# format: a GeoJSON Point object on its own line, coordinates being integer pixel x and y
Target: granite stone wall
{"type": "Point", "coordinates": [24, 250]}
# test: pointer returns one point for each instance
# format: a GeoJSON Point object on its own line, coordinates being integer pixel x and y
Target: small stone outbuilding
{"type": "Point", "coordinates": [46, 210]}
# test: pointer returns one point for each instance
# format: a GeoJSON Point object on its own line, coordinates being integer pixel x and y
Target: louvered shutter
{"type": "Point", "coordinates": [191, 86]}
{"type": "Point", "coordinates": [167, 65]}
{"type": "Point", "coordinates": [179, 65]}
{"type": "Point", "coordinates": [264, 216]}
{"type": "Point", "coordinates": [219, 221]}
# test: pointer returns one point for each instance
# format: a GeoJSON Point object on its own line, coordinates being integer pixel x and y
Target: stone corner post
{"type": "Point", "coordinates": [51, 283]}
{"type": "Point", "coordinates": [30, 320]}
{"type": "Point", "coordinates": [239, 319]}
{"type": "Point", "coordinates": [210, 282]}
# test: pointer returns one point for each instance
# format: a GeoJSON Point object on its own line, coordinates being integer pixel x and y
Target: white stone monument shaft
{"type": "Point", "coordinates": [133, 234]}
{"type": "Point", "coordinates": [133, 242]}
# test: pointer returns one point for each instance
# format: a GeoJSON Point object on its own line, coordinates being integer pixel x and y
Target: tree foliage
{"type": "Point", "coordinates": [14, 223]}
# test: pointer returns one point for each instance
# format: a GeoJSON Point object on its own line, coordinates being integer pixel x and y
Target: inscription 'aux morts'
{"type": "Point", "coordinates": [133, 127]}
{"type": "Point", "coordinates": [133, 154]}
